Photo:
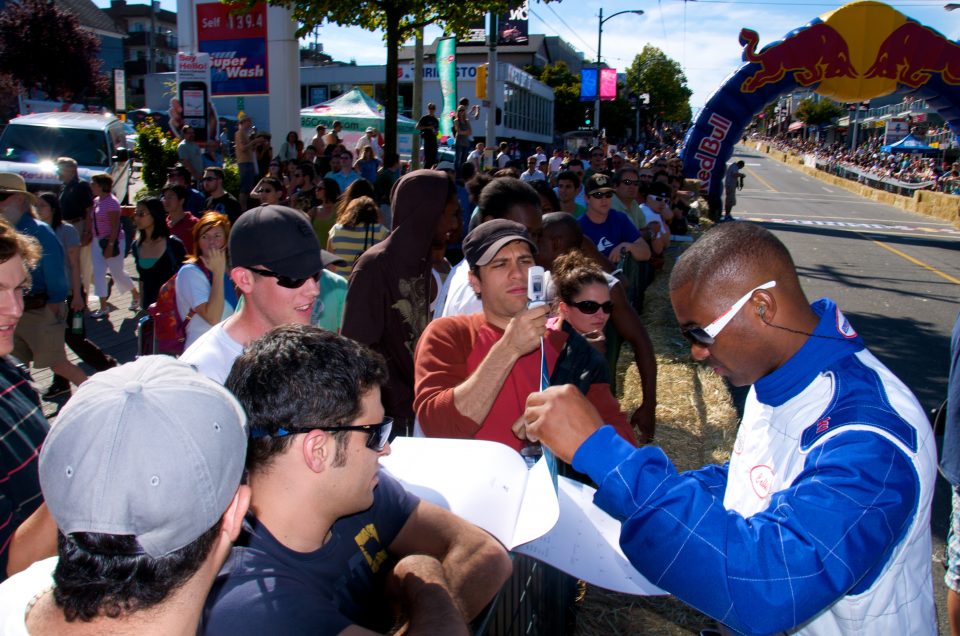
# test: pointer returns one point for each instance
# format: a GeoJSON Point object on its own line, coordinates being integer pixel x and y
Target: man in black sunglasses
{"type": "Point", "coordinates": [329, 532]}
{"type": "Point", "coordinates": [821, 520]}
{"type": "Point", "coordinates": [611, 231]}
{"type": "Point", "coordinates": [276, 262]}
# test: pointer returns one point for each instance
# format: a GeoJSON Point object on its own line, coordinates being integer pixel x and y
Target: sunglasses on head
{"type": "Point", "coordinates": [285, 281]}
{"type": "Point", "coordinates": [601, 195]}
{"type": "Point", "coordinates": [706, 336]}
{"type": "Point", "coordinates": [592, 306]}
{"type": "Point", "coordinates": [379, 434]}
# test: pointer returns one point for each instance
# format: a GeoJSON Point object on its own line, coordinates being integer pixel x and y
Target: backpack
{"type": "Point", "coordinates": [169, 329]}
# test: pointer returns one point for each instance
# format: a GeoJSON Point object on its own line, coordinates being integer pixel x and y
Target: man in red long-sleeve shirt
{"type": "Point", "coordinates": [473, 373]}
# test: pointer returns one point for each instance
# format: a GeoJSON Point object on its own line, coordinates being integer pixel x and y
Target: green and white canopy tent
{"type": "Point", "coordinates": [356, 111]}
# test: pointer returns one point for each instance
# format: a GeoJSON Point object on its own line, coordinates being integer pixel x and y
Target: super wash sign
{"type": "Point", "coordinates": [237, 44]}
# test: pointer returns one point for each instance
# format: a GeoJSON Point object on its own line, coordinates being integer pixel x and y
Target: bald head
{"type": "Point", "coordinates": [564, 228]}
{"type": "Point", "coordinates": [734, 253]}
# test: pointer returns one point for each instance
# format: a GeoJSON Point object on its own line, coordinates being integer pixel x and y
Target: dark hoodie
{"type": "Point", "coordinates": [388, 303]}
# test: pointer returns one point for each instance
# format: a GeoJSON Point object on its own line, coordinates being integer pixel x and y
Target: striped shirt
{"type": "Point", "coordinates": [350, 242]}
{"type": "Point", "coordinates": [22, 431]}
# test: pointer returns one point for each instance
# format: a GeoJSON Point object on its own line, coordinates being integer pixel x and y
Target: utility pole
{"type": "Point", "coordinates": [491, 102]}
{"type": "Point", "coordinates": [417, 106]}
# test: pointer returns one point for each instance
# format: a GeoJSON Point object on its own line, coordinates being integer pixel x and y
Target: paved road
{"type": "Point", "coordinates": [895, 274]}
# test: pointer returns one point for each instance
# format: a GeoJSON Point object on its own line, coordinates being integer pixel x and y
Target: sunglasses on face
{"type": "Point", "coordinates": [601, 195]}
{"type": "Point", "coordinates": [591, 306]}
{"type": "Point", "coordinates": [378, 434]}
{"type": "Point", "coordinates": [706, 336]}
{"type": "Point", "coordinates": [285, 281]}
{"type": "Point", "coordinates": [629, 182]}
{"type": "Point", "coordinates": [209, 178]}
{"type": "Point", "coordinates": [657, 197]}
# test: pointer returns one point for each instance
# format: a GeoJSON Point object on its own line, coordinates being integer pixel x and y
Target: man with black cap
{"type": "Point", "coordinates": [276, 262]}
{"type": "Point", "coordinates": [611, 231]}
{"type": "Point", "coordinates": [474, 372]}
{"type": "Point", "coordinates": [142, 476]}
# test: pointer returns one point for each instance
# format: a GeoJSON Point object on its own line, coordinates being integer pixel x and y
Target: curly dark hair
{"type": "Point", "coordinates": [302, 376]}
{"type": "Point", "coordinates": [109, 575]}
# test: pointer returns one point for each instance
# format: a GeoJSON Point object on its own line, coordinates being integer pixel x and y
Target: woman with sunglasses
{"type": "Point", "coordinates": [205, 293]}
{"type": "Point", "coordinates": [583, 296]}
{"type": "Point", "coordinates": [157, 254]}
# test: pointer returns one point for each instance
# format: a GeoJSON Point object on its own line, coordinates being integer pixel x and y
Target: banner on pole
{"type": "Point", "coordinates": [608, 84]}
{"type": "Point", "coordinates": [588, 84]}
{"type": "Point", "coordinates": [447, 72]}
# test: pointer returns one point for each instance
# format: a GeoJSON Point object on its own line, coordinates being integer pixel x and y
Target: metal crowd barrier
{"type": "Point", "coordinates": [536, 600]}
{"type": "Point", "coordinates": [872, 180]}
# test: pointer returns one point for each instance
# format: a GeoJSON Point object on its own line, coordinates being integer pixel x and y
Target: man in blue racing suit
{"type": "Point", "coordinates": [820, 522]}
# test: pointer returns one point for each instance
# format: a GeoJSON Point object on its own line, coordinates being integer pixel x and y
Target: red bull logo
{"type": "Point", "coordinates": [709, 147]}
{"type": "Point", "coordinates": [912, 53]}
{"type": "Point", "coordinates": [813, 54]}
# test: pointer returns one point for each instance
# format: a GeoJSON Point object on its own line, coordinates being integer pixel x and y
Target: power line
{"type": "Point", "coordinates": [564, 23]}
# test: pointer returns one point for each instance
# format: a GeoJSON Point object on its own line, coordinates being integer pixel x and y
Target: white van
{"type": "Point", "coordinates": [30, 145]}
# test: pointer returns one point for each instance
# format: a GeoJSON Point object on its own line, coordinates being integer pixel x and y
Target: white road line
{"type": "Point", "coordinates": [827, 189]}
{"type": "Point", "coordinates": [754, 164]}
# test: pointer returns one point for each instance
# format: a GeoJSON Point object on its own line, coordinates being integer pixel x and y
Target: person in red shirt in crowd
{"type": "Point", "coordinates": [179, 220]}
{"type": "Point", "coordinates": [474, 372]}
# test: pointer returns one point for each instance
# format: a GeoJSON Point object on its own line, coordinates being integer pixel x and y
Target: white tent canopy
{"type": "Point", "coordinates": [356, 111]}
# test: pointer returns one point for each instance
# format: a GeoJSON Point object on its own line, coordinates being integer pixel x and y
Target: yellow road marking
{"type": "Point", "coordinates": [760, 179]}
{"type": "Point", "coordinates": [915, 261]}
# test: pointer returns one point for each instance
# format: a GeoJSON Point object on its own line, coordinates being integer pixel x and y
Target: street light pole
{"type": "Point", "coordinates": [596, 101]}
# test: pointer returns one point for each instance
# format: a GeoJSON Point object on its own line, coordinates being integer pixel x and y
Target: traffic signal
{"type": "Point", "coordinates": [482, 81]}
{"type": "Point", "coordinates": [587, 117]}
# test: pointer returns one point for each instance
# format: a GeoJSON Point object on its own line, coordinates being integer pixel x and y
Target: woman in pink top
{"type": "Point", "coordinates": [108, 245]}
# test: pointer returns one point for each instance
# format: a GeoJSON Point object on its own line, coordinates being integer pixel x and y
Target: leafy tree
{"type": "Point", "coordinates": [44, 47]}
{"type": "Point", "coordinates": [814, 113]}
{"type": "Point", "coordinates": [654, 73]}
{"type": "Point", "coordinates": [399, 19]}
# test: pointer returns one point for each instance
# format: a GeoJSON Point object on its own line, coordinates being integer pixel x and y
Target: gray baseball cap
{"type": "Point", "coordinates": [151, 449]}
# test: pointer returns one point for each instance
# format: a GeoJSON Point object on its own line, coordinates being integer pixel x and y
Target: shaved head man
{"type": "Point", "coordinates": [820, 522]}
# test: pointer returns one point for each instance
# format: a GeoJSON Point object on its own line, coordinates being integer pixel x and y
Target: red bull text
{"type": "Point", "coordinates": [709, 148]}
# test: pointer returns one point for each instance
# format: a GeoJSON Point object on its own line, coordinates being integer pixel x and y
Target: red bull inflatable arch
{"type": "Point", "coordinates": [857, 52]}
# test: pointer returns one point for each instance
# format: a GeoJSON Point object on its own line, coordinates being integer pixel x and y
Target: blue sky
{"type": "Point", "coordinates": [700, 34]}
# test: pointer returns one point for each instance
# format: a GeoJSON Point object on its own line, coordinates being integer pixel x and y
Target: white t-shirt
{"type": "Point", "coordinates": [193, 289]}
{"type": "Point", "coordinates": [527, 177]}
{"type": "Point", "coordinates": [555, 163]}
{"type": "Point", "coordinates": [461, 299]}
{"type": "Point", "coordinates": [652, 217]}
{"type": "Point", "coordinates": [213, 353]}
{"type": "Point", "coordinates": [18, 591]}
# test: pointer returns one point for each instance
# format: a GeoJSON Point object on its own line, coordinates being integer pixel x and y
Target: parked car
{"type": "Point", "coordinates": [30, 145]}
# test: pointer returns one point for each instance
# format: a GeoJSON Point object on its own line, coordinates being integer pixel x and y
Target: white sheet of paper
{"type": "Point", "coordinates": [486, 483]}
{"type": "Point", "coordinates": [585, 543]}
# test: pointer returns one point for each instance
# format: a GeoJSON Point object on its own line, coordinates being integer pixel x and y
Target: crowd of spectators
{"type": "Point", "coordinates": [911, 169]}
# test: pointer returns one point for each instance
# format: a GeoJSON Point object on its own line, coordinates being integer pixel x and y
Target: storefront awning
{"type": "Point", "coordinates": [795, 126]}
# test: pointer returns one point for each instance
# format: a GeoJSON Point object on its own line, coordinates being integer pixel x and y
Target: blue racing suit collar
{"type": "Point", "coordinates": [833, 339]}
